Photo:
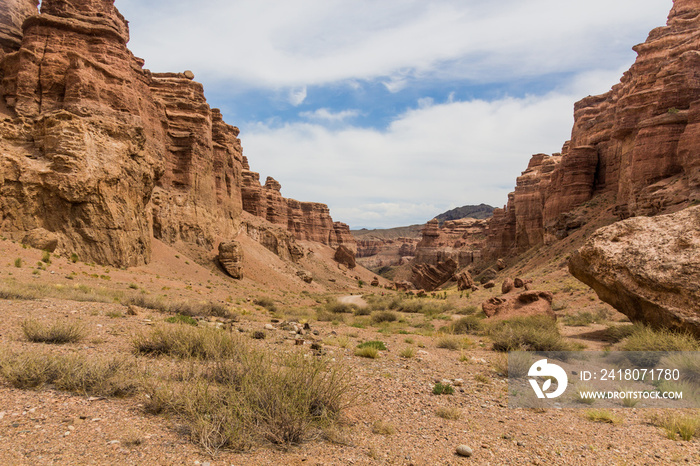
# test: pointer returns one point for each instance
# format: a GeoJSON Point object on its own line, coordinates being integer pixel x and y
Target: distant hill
{"type": "Point", "coordinates": [412, 231]}
{"type": "Point", "coordinates": [480, 211]}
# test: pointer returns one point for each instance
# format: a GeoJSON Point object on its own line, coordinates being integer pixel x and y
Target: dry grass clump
{"type": "Point", "coordinates": [675, 424]}
{"type": "Point", "coordinates": [603, 415]}
{"type": "Point", "coordinates": [367, 352]}
{"type": "Point", "coordinates": [451, 414]}
{"type": "Point", "coordinates": [184, 341]}
{"type": "Point", "coordinates": [617, 333]}
{"type": "Point", "coordinates": [383, 428]}
{"type": "Point", "coordinates": [463, 325]}
{"type": "Point", "coordinates": [74, 373]}
{"type": "Point", "coordinates": [177, 307]}
{"type": "Point", "coordinates": [647, 345]}
{"type": "Point", "coordinates": [266, 302]}
{"type": "Point", "coordinates": [256, 397]}
{"type": "Point", "coordinates": [31, 291]}
{"type": "Point", "coordinates": [59, 332]}
{"type": "Point", "coordinates": [379, 317]}
{"type": "Point", "coordinates": [452, 343]}
{"type": "Point", "coordinates": [585, 318]}
{"type": "Point", "coordinates": [536, 333]}
{"type": "Point", "coordinates": [407, 353]}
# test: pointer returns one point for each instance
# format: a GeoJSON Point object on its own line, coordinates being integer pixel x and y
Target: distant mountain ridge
{"type": "Point", "coordinates": [481, 211]}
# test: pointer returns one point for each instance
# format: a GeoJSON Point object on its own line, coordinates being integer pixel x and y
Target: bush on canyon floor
{"type": "Point", "coordinates": [177, 307]}
{"type": "Point", "coordinates": [463, 325]}
{"type": "Point", "coordinates": [603, 415]}
{"type": "Point", "coordinates": [379, 317]}
{"type": "Point", "coordinates": [266, 302]}
{"type": "Point", "coordinates": [616, 333]}
{"type": "Point", "coordinates": [536, 333]}
{"type": "Point", "coordinates": [58, 332]}
{"type": "Point", "coordinates": [255, 396]}
{"type": "Point", "coordinates": [76, 373]}
{"type": "Point", "coordinates": [443, 389]}
{"type": "Point", "coordinates": [184, 341]}
{"type": "Point", "coordinates": [686, 426]}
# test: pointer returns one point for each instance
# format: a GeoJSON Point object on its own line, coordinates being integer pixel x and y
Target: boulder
{"type": "Point", "coordinates": [648, 268]}
{"type": "Point", "coordinates": [231, 258]}
{"type": "Point", "coordinates": [343, 255]}
{"type": "Point", "coordinates": [527, 303]}
{"type": "Point", "coordinates": [41, 239]}
{"type": "Point", "coordinates": [489, 285]}
{"type": "Point", "coordinates": [500, 264]}
{"type": "Point", "coordinates": [507, 286]}
{"type": "Point", "coordinates": [487, 275]}
{"type": "Point", "coordinates": [306, 276]}
{"type": "Point", "coordinates": [375, 282]}
{"type": "Point", "coordinates": [464, 281]}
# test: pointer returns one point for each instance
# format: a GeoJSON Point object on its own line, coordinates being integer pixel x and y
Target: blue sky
{"type": "Point", "coordinates": [390, 111]}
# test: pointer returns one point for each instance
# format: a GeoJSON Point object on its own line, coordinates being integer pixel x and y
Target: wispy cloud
{"type": "Point", "coordinates": [326, 115]}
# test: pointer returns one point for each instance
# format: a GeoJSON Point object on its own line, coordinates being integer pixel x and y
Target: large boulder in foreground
{"type": "Point", "coordinates": [647, 268]}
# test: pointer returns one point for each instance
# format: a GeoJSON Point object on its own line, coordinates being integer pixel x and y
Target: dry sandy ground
{"type": "Point", "coordinates": [51, 427]}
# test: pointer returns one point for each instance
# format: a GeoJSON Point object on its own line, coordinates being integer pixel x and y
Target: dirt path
{"type": "Point", "coordinates": [357, 300]}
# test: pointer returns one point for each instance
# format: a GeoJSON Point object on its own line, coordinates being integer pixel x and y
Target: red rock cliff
{"type": "Point", "coordinates": [105, 154]}
{"type": "Point", "coordinates": [638, 142]}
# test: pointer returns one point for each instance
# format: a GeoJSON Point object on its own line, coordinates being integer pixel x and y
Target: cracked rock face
{"type": "Point", "coordinates": [231, 258]}
{"type": "Point", "coordinates": [647, 268]}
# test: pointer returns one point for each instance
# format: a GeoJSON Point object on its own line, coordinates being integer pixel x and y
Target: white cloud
{"type": "Point", "coordinates": [305, 42]}
{"type": "Point", "coordinates": [297, 96]}
{"type": "Point", "coordinates": [430, 159]}
{"type": "Point", "coordinates": [327, 115]}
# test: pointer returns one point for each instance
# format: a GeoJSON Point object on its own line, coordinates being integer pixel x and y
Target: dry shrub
{"type": "Point", "coordinates": [452, 414]}
{"type": "Point", "coordinates": [379, 317]}
{"type": "Point", "coordinates": [59, 332]}
{"type": "Point", "coordinates": [537, 333]}
{"type": "Point", "coordinates": [463, 325]}
{"type": "Point", "coordinates": [184, 341]}
{"type": "Point", "coordinates": [74, 373]}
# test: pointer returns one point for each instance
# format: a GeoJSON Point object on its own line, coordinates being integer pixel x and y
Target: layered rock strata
{"type": "Point", "coordinates": [647, 268]}
{"type": "Point", "coordinates": [637, 142]}
{"type": "Point", "coordinates": [105, 155]}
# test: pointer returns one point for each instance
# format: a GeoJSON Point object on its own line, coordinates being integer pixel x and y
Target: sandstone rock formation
{"type": "Point", "coordinates": [343, 255]}
{"type": "Point", "coordinates": [507, 286]}
{"type": "Point", "coordinates": [527, 303]}
{"type": "Point", "coordinates": [647, 268]}
{"type": "Point", "coordinates": [231, 258]}
{"type": "Point", "coordinates": [636, 143]}
{"type": "Point", "coordinates": [41, 239]}
{"type": "Point", "coordinates": [375, 252]}
{"type": "Point", "coordinates": [464, 281]}
{"type": "Point", "coordinates": [275, 239]}
{"type": "Point", "coordinates": [305, 220]}
{"type": "Point", "coordinates": [444, 249]}
{"type": "Point", "coordinates": [305, 276]}
{"type": "Point", "coordinates": [106, 155]}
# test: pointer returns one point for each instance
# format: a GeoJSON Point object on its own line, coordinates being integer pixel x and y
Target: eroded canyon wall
{"type": "Point", "coordinates": [104, 154]}
{"type": "Point", "coordinates": [639, 143]}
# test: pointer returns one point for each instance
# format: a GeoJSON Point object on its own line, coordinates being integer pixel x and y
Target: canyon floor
{"type": "Point", "coordinates": [396, 418]}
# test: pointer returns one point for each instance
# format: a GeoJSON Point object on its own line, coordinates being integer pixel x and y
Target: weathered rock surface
{"type": "Point", "coordinates": [507, 286]}
{"type": "Point", "coordinates": [343, 255]}
{"type": "Point", "coordinates": [429, 277]}
{"type": "Point", "coordinates": [527, 303]}
{"type": "Point", "coordinates": [305, 220]}
{"type": "Point", "coordinates": [12, 15]}
{"type": "Point", "coordinates": [375, 252]}
{"type": "Point", "coordinates": [464, 281]}
{"type": "Point", "coordinates": [275, 239]}
{"type": "Point", "coordinates": [647, 268]}
{"type": "Point", "coordinates": [638, 143]}
{"type": "Point", "coordinates": [41, 239]}
{"type": "Point", "coordinates": [231, 258]}
{"type": "Point", "coordinates": [305, 276]}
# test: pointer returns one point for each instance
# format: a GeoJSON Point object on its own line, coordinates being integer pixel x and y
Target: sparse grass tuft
{"type": "Point", "coordinates": [603, 415]}
{"type": "Point", "coordinates": [616, 333]}
{"type": "Point", "coordinates": [378, 345]}
{"type": "Point", "coordinates": [266, 302]}
{"type": "Point", "coordinates": [46, 257]}
{"type": "Point", "coordinates": [451, 343]}
{"type": "Point", "coordinates": [180, 319]}
{"type": "Point", "coordinates": [59, 332]}
{"type": "Point", "coordinates": [367, 352]}
{"type": "Point", "coordinates": [383, 428]}
{"type": "Point", "coordinates": [647, 345]}
{"type": "Point", "coordinates": [408, 353]}
{"type": "Point", "coordinates": [674, 424]}
{"type": "Point", "coordinates": [18, 262]}
{"type": "Point", "coordinates": [451, 414]}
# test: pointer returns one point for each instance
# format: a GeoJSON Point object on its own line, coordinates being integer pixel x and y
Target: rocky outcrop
{"type": "Point", "coordinates": [527, 303]}
{"type": "Point", "coordinates": [12, 15]}
{"type": "Point", "coordinates": [105, 155]}
{"type": "Point", "coordinates": [275, 239]}
{"type": "Point", "coordinates": [231, 258]}
{"type": "Point", "coordinates": [647, 268]}
{"type": "Point", "coordinates": [308, 221]}
{"type": "Point", "coordinates": [428, 277]}
{"type": "Point", "coordinates": [636, 142]}
{"type": "Point", "coordinates": [343, 255]}
{"type": "Point", "coordinates": [375, 252]}
{"type": "Point", "coordinates": [465, 281]}
{"type": "Point", "coordinates": [80, 145]}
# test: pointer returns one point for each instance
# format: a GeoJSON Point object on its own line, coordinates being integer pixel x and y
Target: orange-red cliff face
{"type": "Point", "coordinates": [639, 142]}
{"type": "Point", "coordinates": [105, 154]}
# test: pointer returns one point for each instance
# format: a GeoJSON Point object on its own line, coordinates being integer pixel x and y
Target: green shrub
{"type": "Point", "coordinates": [378, 345]}
{"type": "Point", "coordinates": [181, 319]}
{"type": "Point", "coordinates": [18, 262]}
{"type": "Point", "coordinates": [46, 257]}
{"type": "Point", "coordinates": [443, 389]}
{"type": "Point", "coordinates": [266, 302]}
